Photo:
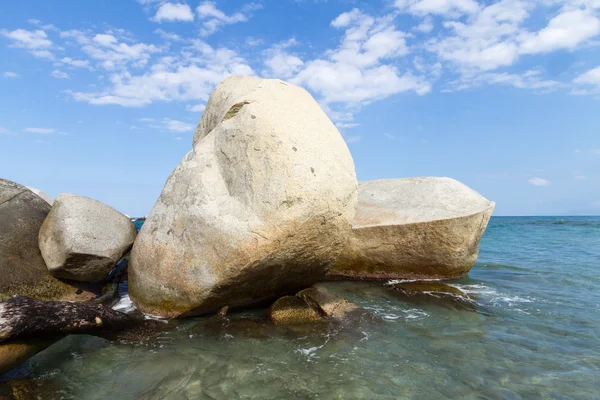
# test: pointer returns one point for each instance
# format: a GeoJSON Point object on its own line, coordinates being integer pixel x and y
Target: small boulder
{"type": "Point", "coordinates": [83, 239]}
{"type": "Point", "coordinates": [22, 267]}
{"type": "Point", "coordinates": [326, 303]}
{"type": "Point", "coordinates": [315, 304]}
{"type": "Point", "coordinates": [261, 206]}
{"type": "Point", "coordinates": [292, 310]}
{"type": "Point", "coordinates": [415, 228]}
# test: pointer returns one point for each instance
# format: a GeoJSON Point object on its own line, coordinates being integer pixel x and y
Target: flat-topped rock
{"type": "Point", "coordinates": [261, 207]}
{"type": "Point", "coordinates": [83, 239]}
{"type": "Point", "coordinates": [414, 228]}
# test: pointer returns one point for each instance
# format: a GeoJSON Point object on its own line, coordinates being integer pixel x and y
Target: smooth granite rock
{"type": "Point", "coordinates": [414, 228]}
{"type": "Point", "coordinates": [261, 207]}
{"type": "Point", "coordinates": [22, 268]}
{"type": "Point", "coordinates": [83, 239]}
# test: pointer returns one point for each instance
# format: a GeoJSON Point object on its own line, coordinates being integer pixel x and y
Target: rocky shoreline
{"type": "Point", "coordinates": [265, 206]}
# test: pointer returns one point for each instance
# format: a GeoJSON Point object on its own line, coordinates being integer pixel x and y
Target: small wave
{"type": "Point", "coordinates": [495, 298]}
{"type": "Point", "coordinates": [396, 281]}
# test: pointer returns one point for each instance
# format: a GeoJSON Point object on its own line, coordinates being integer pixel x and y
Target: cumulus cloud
{"type": "Point", "coordinates": [355, 73]}
{"type": "Point", "coordinates": [173, 12]}
{"type": "Point", "coordinates": [9, 74]}
{"type": "Point", "coordinates": [539, 182]}
{"type": "Point", "coordinates": [565, 31]}
{"type": "Point", "coordinates": [36, 42]}
{"type": "Point", "coordinates": [59, 74]}
{"type": "Point", "coordinates": [442, 7]}
{"type": "Point", "coordinates": [214, 19]}
{"type": "Point", "coordinates": [189, 75]}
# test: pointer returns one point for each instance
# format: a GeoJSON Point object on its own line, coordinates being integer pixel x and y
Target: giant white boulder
{"type": "Point", "coordinates": [259, 208]}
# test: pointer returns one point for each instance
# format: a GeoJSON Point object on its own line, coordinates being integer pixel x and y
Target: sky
{"type": "Point", "coordinates": [101, 98]}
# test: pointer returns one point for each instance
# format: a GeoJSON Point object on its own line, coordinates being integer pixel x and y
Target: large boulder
{"type": "Point", "coordinates": [83, 239]}
{"type": "Point", "coordinates": [415, 228]}
{"type": "Point", "coordinates": [22, 268]}
{"type": "Point", "coordinates": [259, 208]}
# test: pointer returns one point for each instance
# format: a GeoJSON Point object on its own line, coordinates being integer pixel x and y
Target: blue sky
{"type": "Point", "coordinates": [101, 98]}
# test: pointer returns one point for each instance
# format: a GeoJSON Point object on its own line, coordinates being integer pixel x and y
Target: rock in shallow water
{"type": "Point", "coordinates": [82, 239]}
{"type": "Point", "coordinates": [259, 208]}
{"type": "Point", "coordinates": [414, 228]}
{"type": "Point", "coordinates": [22, 267]}
{"type": "Point", "coordinates": [315, 304]}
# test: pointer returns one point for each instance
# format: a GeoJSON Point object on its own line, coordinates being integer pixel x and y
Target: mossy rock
{"type": "Point", "coordinates": [292, 310]}
{"type": "Point", "coordinates": [326, 303]}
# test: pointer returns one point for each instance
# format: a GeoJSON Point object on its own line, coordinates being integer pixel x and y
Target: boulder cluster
{"type": "Point", "coordinates": [265, 204]}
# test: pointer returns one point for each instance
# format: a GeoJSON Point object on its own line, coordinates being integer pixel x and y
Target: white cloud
{"type": "Point", "coordinates": [525, 80]}
{"type": "Point", "coordinates": [425, 26]}
{"type": "Point", "coordinates": [442, 7]}
{"type": "Point", "coordinates": [177, 126]}
{"type": "Point", "coordinates": [44, 131]}
{"type": "Point", "coordinates": [281, 63]}
{"type": "Point", "coordinates": [196, 108]}
{"type": "Point", "coordinates": [173, 12]}
{"type": "Point", "coordinates": [346, 125]}
{"type": "Point", "coordinates": [36, 42]}
{"type": "Point", "coordinates": [590, 80]}
{"type": "Point", "coordinates": [111, 50]}
{"type": "Point", "coordinates": [73, 62]}
{"type": "Point", "coordinates": [188, 75]}
{"type": "Point", "coordinates": [355, 73]}
{"type": "Point", "coordinates": [389, 136]}
{"type": "Point", "coordinates": [3, 130]}
{"type": "Point", "coordinates": [213, 19]}
{"type": "Point", "coordinates": [9, 74]}
{"type": "Point", "coordinates": [595, 152]}
{"type": "Point", "coordinates": [565, 31]}
{"type": "Point", "coordinates": [59, 74]}
{"type": "Point", "coordinates": [351, 139]}
{"type": "Point", "coordinates": [167, 124]}
{"type": "Point", "coordinates": [539, 182]}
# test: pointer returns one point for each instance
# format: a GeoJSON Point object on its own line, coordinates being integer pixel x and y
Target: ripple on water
{"type": "Point", "coordinates": [539, 279]}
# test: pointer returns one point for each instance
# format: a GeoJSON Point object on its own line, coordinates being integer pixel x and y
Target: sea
{"type": "Point", "coordinates": [528, 328]}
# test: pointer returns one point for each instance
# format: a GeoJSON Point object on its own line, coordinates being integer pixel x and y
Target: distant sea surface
{"type": "Point", "coordinates": [534, 334]}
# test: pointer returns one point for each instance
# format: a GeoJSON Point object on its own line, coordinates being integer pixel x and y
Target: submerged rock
{"type": "Point", "coordinates": [315, 304]}
{"type": "Point", "coordinates": [22, 267]}
{"type": "Point", "coordinates": [15, 353]}
{"type": "Point", "coordinates": [326, 303]}
{"type": "Point", "coordinates": [290, 310]}
{"type": "Point", "coordinates": [436, 293]}
{"type": "Point", "coordinates": [415, 228]}
{"type": "Point", "coordinates": [260, 207]}
{"type": "Point", "coordinates": [428, 288]}
{"type": "Point", "coordinates": [82, 239]}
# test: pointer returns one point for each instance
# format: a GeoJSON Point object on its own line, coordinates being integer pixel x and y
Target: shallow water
{"type": "Point", "coordinates": [533, 333]}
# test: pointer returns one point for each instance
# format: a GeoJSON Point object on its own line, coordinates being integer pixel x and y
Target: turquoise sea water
{"type": "Point", "coordinates": [532, 334]}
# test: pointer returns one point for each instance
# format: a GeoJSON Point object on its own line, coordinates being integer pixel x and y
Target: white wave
{"type": "Point", "coordinates": [495, 298]}
{"type": "Point", "coordinates": [396, 281]}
